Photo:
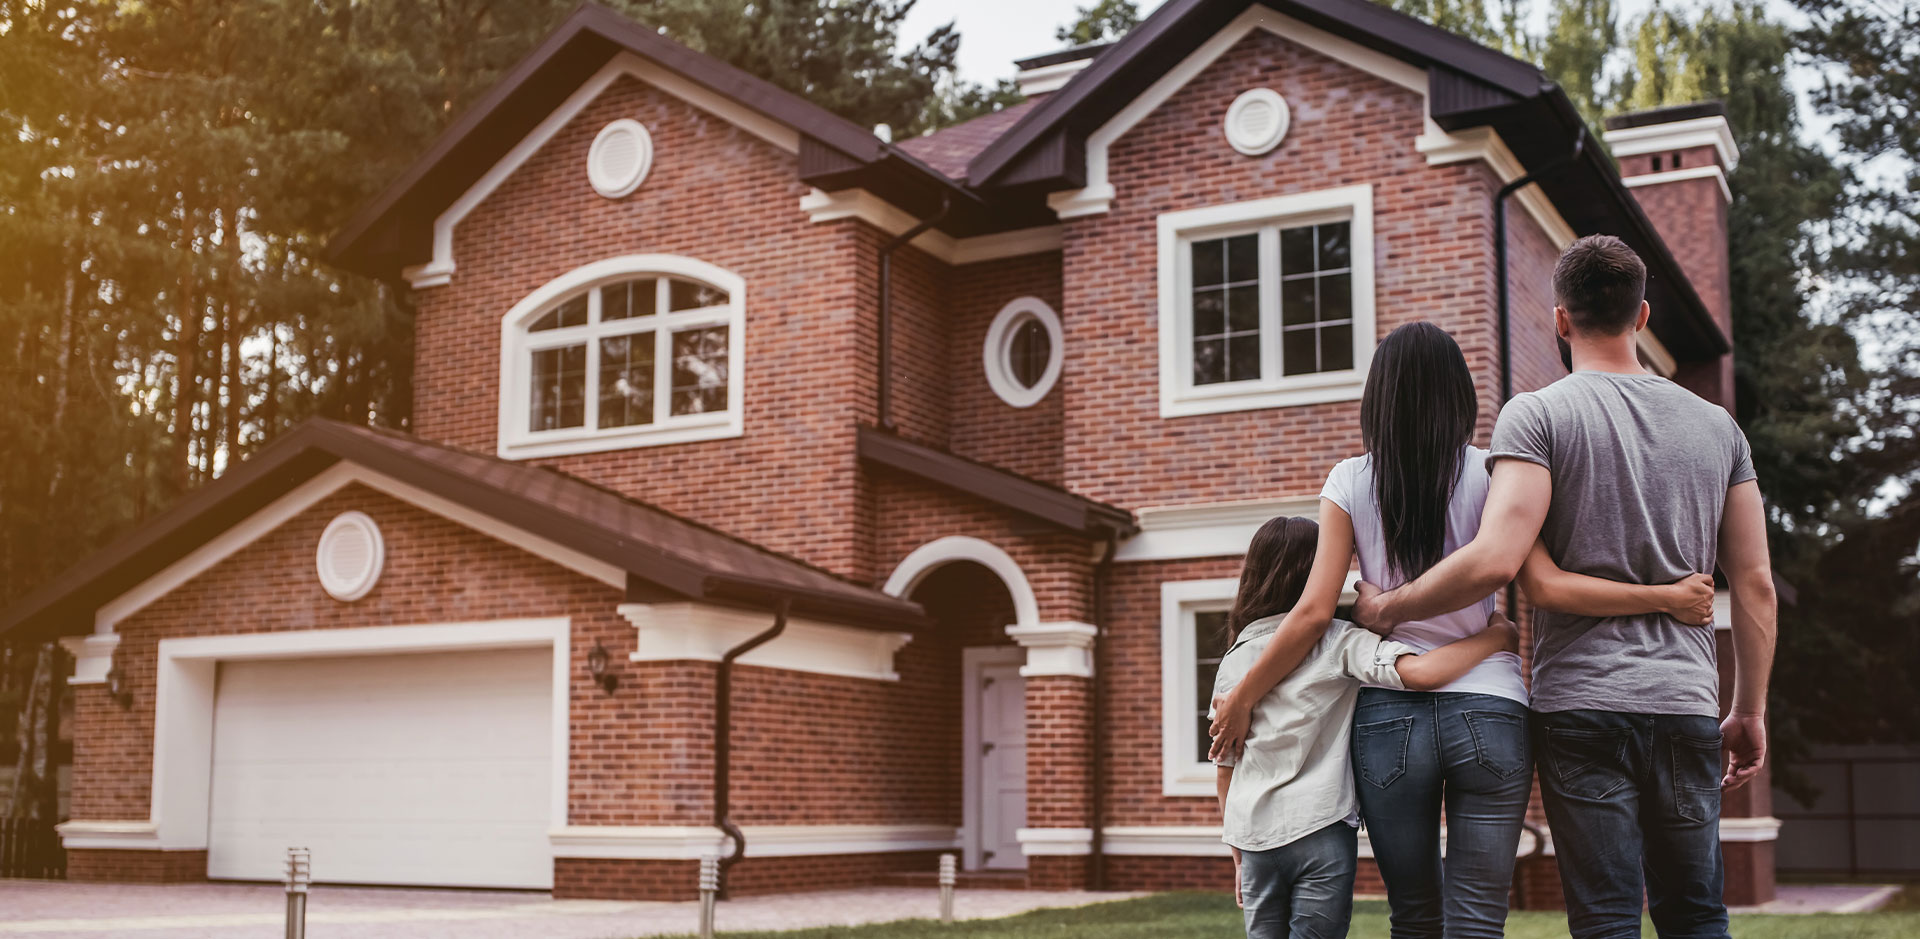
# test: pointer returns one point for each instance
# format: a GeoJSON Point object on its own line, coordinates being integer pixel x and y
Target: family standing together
{"type": "Point", "coordinates": [1610, 497]}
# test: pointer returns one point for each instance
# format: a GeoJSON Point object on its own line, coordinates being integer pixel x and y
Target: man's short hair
{"type": "Point", "coordinates": [1600, 282]}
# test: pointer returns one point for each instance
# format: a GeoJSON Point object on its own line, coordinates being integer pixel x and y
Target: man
{"type": "Point", "coordinates": [1624, 475]}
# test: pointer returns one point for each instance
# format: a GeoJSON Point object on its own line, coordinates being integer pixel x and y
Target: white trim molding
{"type": "Point", "coordinates": [184, 682]}
{"type": "Point", "coordinates": [1713, 172]}
{"type": "Point", "coordinates": [1056, 649]}
{"type": "Point", "coordinates": [1212, 529]}
{"type": "Point", "coordinates": [439, 270]}
{"type": "Point", "coordinates": [700, 632]}
{"type": "Point", "coordinates": [1180, 773]}
{"type": "Point", "coordinates": [924, 559]}
{"type": "Point", "coordinates": [1179, 397]}
{"type": "Point", "coordinates": [1055, 842]}
{"type": "Point", "coordinates": [1736, 830]}
{"type": "Point", "coordinates": [673, 842]}
{"type": "Point", "coordinates": [1655, 353]}
{"type": "Point", "coordinates": [996, 352]}
{"type": "Point", "coordinates": [305, 496]}
{"type": "Point", "coordinates": [1483, 143]}
{"type": "Point", "coordinates": [1712, 131]}
{"type": "Point", "coordinates": [517, 440]}
{"type": "Point", "coordinates": [822, 206]}
{"type": "Point", "coordinates": [92, 657]}
{"type": "Point", "coordinates": [1044, 78]}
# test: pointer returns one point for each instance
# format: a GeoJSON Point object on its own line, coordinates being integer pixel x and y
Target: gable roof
{"type": "Point", "coordinates": [1035, 499]}
{"type": "Point", "coordinates": [658, 549]}
{"type": "Point", "coordinates": [949, 150]}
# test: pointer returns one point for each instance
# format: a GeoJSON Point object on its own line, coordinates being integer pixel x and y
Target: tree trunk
{"type": "Point", "coordinates": [32, 737]}
{"type": "Point", "coordinates": [62, 372]}
{"type": "Point", "coordinates": [186, 360]}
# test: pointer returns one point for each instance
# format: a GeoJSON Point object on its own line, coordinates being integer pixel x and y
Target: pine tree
{"type": "Point", "coordinates": [1102, 21]}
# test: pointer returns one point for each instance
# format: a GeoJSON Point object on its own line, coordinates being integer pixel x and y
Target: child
{"type": "Point", "coordinates": [1287, 803]}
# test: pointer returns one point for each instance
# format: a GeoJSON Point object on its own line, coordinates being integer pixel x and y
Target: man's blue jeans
{"type": "Point", "coordinates": [1630, 795]}
{"type": "Point", "coordinates": [1302, 889]}
{"type": "Point", "coordinates": [1415, 752]}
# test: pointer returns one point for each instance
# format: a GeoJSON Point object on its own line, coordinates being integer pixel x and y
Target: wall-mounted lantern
{"type": "Point", "coordinates": [117, 689]}
{"type": "Point", "coordinates": [600, 666]}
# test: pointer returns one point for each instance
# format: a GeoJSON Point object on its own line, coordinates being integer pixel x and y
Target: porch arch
{"type": "Point", "coordinates": [940, 551]}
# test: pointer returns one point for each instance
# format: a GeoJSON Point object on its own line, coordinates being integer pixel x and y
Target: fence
{"type": "Point", "coordinates": [1864, 822]}
{"type": "Point", "coordinates": [31, 848]}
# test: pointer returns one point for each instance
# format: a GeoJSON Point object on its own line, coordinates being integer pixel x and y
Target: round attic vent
{"type": "Point", "coordinates": [619, 159]}
{"type": "Point", "coordinates": [1257, 121]}
{"type": "Point", "coordinates": [350, 556]}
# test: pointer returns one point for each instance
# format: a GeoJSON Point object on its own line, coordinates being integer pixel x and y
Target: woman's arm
{"type": "Point", "coordinates": [1224, 781]}
{"type": "Point", "coordinates": [1438, 668]}
{"type": "Point", "coordinates": [1689, 600]}
{"type": "Point", "coordinates": [1303, 627]}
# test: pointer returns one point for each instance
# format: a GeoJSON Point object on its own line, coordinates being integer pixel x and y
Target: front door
{"type": "Point", "coordinates": [999, 761]}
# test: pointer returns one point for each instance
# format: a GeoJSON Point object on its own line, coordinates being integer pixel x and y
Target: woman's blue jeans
{"type": "Point", "coordinates": [1417, 752]}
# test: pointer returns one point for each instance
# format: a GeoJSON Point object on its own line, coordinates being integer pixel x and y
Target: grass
{"type": "Point", "coordinates": [1194, 916]}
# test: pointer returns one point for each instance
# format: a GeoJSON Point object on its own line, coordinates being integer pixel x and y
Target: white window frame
{"type": "Point", "coordinates": [997, 352]}
{"type": "Point", "coordinates": [517, 439]}
{"type": "Point", "coordinates": [1181, 775]}
{"type": "Point", "coordinates": [1179, 396]}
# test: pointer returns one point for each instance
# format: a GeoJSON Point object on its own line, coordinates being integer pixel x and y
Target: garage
{"type": "Point", "coordinates": [431, 769]}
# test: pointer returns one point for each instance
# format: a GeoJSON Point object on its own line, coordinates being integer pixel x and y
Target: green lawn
{"type": "Point", "coordinates": [1192, 916]}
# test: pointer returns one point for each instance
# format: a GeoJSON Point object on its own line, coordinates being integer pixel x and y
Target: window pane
{"type": "Point", "coordinates": [1336, 348]}
{"type": "Point", "coordinates": [1209, 265]}
{"type": "Point", "coordinates": [1336, 297]}
{"type": "Point", "coordinates": [1336, 245]}
{"type": "Point", "coordinates": [1209, 644]}
{"type": "Point", "coordinates": [1243, 358]}
{"type": "Point", "coordinates": [1297, 301]}
{"type": "Point", "coordinates": [1297, 353]}
{"type": "Point", "coordinates": [1209, 361]}
{"type": "Point", "coordinates": [559, 388]}
{"type": "Point", "coordinates": [627, 300]}
{"type": "Point", "coordinates": [1243, 258]}
{"type": "Point", "coordinates": [626, 380]}
{"type": "Point", "coordinates": [572, 312]}
{"type": "Point", "coordinates": [1209, 312]}
{"type": "Point", "coordinates": [1028, 353]}
{"type": "Point", "coordinates": [550, 321]}
{"type": "Point", "coordinates": [700, 370]}
{"type": "Point", "coordinates": [687, 295]}
{"type": "Point", "coordinates": [1243, 308]}
{"type": "Point", "coordinates": [1296, 250]}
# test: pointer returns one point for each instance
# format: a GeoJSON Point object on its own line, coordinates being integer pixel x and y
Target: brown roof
{"type": "Point", "coordinates": [654, 546]}
{"type": "Point", "coordinates": [950, 149]}
{"type": "Point", "coordinates": [1030, 497]}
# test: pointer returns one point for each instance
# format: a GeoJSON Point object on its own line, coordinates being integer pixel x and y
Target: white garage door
{"type": "Point", "coordinates": [429, 769]}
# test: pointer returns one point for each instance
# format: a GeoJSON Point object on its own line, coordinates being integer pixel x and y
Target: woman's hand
{"type": "Point", "coordinates": [1499, 622]}
{"type": "Point", "coordinates": [1229, 728]}
{"type": "Point", "coordinates": [1239, 899]}
{"type": "Point", "coordinates": [1689, 600]}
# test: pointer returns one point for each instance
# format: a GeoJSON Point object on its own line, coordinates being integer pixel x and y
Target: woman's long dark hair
{"type": "Point", "coordinates": [1275, 572]}
{"type": "Point", "coordinates": [1416, 418]}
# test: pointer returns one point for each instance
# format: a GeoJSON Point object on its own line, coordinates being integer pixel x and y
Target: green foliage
{"type": "Point", "coordinates": [1581, 35]}
{"type": "Point", "coordinates": [1104, 21]}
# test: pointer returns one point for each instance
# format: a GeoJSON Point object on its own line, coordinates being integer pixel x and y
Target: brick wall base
{"type": "Point", "coordinates": [621, 879]}
{"type": "Point", "coordinates": [1059, 872]}
{"type": "Point", "coordinates": [136, 867]}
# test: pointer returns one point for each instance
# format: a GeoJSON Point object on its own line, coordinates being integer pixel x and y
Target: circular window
{"type": "Point", "coordinates": [620, 157]}
{"type": "Point", "coordinates": [1023, 351]}
{"type": "Point", "coordinates": [350, 556]}
{"type": "Point", "coordinates": [1257, 121]}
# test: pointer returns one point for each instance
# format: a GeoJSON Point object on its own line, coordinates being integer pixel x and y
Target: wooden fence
{"type": "Point", "coordinates": [31, 848]}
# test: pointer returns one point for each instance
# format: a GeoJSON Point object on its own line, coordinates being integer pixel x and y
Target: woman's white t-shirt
{"type": "Point", "coordinates": [1350, 486]}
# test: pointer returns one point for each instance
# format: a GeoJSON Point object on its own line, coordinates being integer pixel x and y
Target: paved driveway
{"type": "Point", "coordinates": [248, 911]}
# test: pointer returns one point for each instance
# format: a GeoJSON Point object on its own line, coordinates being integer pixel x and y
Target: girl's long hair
{"type": "Point", "coordinates": [1416, 419]}
{"type": "Point", "coordinates": [1275, 574]}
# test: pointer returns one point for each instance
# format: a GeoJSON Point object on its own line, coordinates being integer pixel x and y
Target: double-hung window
{"type": "Point", "coordinates": [623, 353]}
{"type": "Point", "coordinates": [1267, 303]}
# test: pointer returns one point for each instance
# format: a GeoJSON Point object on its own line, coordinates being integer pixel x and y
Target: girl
{"type": "Point", "coordinates": [1416, 496]}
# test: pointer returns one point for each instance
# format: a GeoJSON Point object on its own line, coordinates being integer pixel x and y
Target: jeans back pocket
{"type": "Point", "coordinates": [1588, 763]}
{"type": "Point", "coordinates": [1499, 741]}
{"type": "Point", "coordinates": [1696, 778]}
{"type": "Point", "coordinates": [1380, 750]}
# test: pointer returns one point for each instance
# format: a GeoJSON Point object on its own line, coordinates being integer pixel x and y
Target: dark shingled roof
{"type": "Point", "coordinates": [950, 149]}
{"type": "Point", "coordinates": [661, 551]}
{"type": "Point", "coordinates": [1010, 490]}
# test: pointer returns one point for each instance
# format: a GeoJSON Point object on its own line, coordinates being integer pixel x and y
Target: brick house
{"type": "Point", "coordinates": [981, 421]}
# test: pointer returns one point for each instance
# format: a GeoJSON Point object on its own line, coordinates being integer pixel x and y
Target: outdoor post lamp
{"type": "Point", "coordinates": [599, 666]}
{"type": "Point", "coordinates": [299, 875]}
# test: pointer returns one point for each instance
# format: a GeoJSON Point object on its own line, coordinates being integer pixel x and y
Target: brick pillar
{"type": "Point", "coordinates": [1058, 836]}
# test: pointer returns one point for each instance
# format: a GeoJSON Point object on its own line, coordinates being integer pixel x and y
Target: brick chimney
{"type": "Point", "coordinates": [1676, 160]}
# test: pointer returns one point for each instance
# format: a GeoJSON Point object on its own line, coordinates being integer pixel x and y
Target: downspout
{"type": "Point", "coordinates": [723, 738]}
{"type": "Point", "coordinates": [1096, 764]}
{"type": "Point", "coordinates": [885, 330]}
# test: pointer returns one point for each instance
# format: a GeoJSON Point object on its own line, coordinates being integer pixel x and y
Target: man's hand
{"type": "Point", "coordinates": [1689, 600]}
{"type": "Point", "coordinates": [1369, 611]}
{"type": "Point", "coordinates": [1744, 737]}
{"type": "Point", "coordinates": [1239, 899]}
{"type": "Point", "coordinates": [1229, 728]}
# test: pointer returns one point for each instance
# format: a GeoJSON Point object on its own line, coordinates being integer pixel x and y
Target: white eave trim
{"type": "Point", "coordinates": [1211, 529]}
{"type": "Point", "coordinates": [669, 842]}
{"type": "Point", "coordinates": [822, 206]}
{"type": "Point", "coordinates": [439, 270]}
{"type": "Point", "coordinates": [1713, 131]}
{"type": "Point", "coordinates": [1055, 842]}
{"type": "Point", "coordinates": [1482, 143]}
{"type": "Point", "coordinates": [701, 632]}
{"type": "Point", "coordinates": [92, 657]}
{"type": "Point", "coordinates": [1735, 830]}
{"type": "Point", "coordinates": [1045, 78]}
{"type": "Point", "coordinates": [110, 836]}
{"type": "Point", "coordinates": [1713, 172]}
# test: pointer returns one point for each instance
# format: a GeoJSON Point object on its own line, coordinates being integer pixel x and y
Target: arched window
{"type": "Point", "coordinates": [634, 351]}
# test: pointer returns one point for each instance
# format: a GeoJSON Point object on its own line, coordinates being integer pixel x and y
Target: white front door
{"type": "Point", "coordinates": [999, 760]}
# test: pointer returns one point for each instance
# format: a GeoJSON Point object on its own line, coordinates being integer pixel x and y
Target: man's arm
{"type": "Point", "coordinates": [1548, 586]}
{"type": "Point", "coordinates": [1516, 508]}
{"type": "Point", "coordinates": [1743, 557]}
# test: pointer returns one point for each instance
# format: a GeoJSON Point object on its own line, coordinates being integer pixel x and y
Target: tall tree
{"type": "Point", "coordinates": [1101, 21]}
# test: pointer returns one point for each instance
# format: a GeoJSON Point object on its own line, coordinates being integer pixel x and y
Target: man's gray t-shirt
{"type": "Point", "coordinates": [1641, 469]}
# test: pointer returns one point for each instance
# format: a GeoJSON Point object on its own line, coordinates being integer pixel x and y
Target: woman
{"type": "Point", "coordinates": [1416, 496]}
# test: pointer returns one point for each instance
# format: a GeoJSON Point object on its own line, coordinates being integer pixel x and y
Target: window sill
{"type": "Point", "coordinates": [1255, 396]}
{"type": "Point", "coordinates": [560, 444]}
{"type": "Point", "coordinates": [1200, 779]}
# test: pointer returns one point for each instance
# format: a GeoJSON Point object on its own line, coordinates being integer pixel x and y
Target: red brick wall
{"type": "Point", "coordinates": [136, 867]}
{"type": "Point", "coordinates": [1691, 216]}
{"type": "Point", "coordinates": [1024, 440]}
{"type": "Point", "coordinates": [597, 878]}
